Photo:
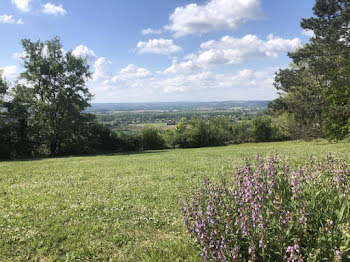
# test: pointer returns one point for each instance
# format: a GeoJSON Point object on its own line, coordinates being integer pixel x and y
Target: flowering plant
{"type": "Point", "coordinates": [269, 212]}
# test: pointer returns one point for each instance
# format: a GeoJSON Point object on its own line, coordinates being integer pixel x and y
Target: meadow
{"type": "Point", "coordinates": [119, 207]}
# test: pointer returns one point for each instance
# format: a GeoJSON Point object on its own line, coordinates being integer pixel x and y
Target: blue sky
{"type": "Point", "coordinates": [157, 50]}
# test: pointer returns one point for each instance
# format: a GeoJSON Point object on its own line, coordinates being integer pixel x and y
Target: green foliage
{"type": "Point", "coordinates": [219, 131]}
{"type": "Point", "coordinates": [44, 114]}
{"type": "Point", "coordinates": [316, 90]}
{"type": "Point", "coordinates": [131, 142]}
{"type": "Point", "coordinates": [152, 139]}
{"type": "Point", "coordinates": [242, 132]}
{"type": "Point", "coordinates": [198, 133]}
{"type": "Point", "coordinates": [5, 132]}
{"type": "Point", "coordinates": [24, 139]}
{"type": "Point", "coordinates": [56, 82]}
{"type": "Point", "coordinates": [262, 129]}
{"type": "Point", "coordinates": [287, 126]}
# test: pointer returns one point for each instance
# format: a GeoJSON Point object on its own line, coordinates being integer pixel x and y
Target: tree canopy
{"type": "Point", "coordinates": [316, 89]}
{"type": "Point", "coordinates": [55, 83]}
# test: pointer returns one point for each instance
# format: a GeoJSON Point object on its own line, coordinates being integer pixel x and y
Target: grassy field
{"type": "Point", "coordinates": [118, 207]}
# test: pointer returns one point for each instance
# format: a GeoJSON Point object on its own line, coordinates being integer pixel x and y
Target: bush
{"type": "Point", "coordinates": [198, 133]}
{"type": "Point", "coordinates": [287, 126]}
{"type": "Point", "coordinates": [263, 130]}
{"type": "Point", "coordinates": [242, 132]}
{"type": "Point", "coordinates": [271, 213]}
{"type": "Point", "coordinates": [131, 142]}
{"type": "Point", "coordinates": [152, 139]}
{"type": "Point", "coordinates": [5, 145]}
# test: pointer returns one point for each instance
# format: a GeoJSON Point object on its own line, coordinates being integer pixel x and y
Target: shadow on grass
{"type": "Point", "coordinates": [39, 158]}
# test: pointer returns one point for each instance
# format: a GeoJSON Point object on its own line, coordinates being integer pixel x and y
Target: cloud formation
{"type": "Point", "coordinates": [232, 51]}
{"type": "Point", "coordinates": [150, 31]}
{"type": "Point", "coordinates": [158, 46]}
{"type": "Point", "coordinates": [133, 86]}
{"type": "Point", "coordinates": [131, 72]}
{"type": "Point", "coordinates": [51, 9]}
{"type": "Point", "coordinates": [308, 32]}
{"type": "Point", "coordinates": [85, 53]}
{"type": "Point", "coordinates": [214, 16]}
{"type": "Point", "coordinates": [9, 72]}
{"type": "Point", "coordinates": [9, 19]}
{"type": "Point", "coordinates": [102, 69]}
{"type": "Point", "coordinates": [22, 5]}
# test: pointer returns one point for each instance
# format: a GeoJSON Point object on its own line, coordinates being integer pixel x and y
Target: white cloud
{"type": "Point", "coordinates": [243, 79]}
{"type": "Point", "coordinates": [150, 31]}
{"type": "Point", "coordinates": [247, 78]}
{"type": "Point", "coordinates": [132, 72]}
{"type": "Point", "coordinates": [102, 69]}
{"type": "Point", "coordinates": [158, 46]}
{"type": "Point", "coordinates": [308, 32]}
{"type": "Point", "coordinates": [229, 50]}
{"type": "Point", "coordinates": [19, 55]}
{"type": "Point", "coordinates": [131, 83]}
{"type": "Point", "coordinates": [182, 83]}
{"type": "Point", "coordinates": [9, 72]}
{"type": "Point", "coordinates": [85, 53]}
{"type": "Point", "coordinates": [189, 66]}
{"type": "Point", "coordinates": [137, 84]}
{"type": "Point", "coordinates": [22, 5]}
{"type": "Point", "coordinates": [213, 16]}
{"type": "Point", "coordinates": [51, 9]}
{"type": "Point", "coordinates": [9, 19]}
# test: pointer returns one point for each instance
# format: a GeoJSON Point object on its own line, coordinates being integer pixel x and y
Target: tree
{"type": "Point", "coordinates": [56, 81]}
{"type": "Point", "coordinates": [262, 129]}
{"type": "Point", "coordinates": [22, 136]}
{"type": "Point", "coordinates": [316, 89]}
{"type": "Point", "coordinates": [151, 138]}
{"type": "Point", "coordinates": [5, 146]}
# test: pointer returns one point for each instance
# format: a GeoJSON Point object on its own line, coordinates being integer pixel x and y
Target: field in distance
{"type": "Point", "coordinates": [132, 117]}
{"type": "Point", "coordinates": [124, 207]}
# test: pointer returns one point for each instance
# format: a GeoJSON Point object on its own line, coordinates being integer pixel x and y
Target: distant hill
{"type": "Point", "coordinates": [180, 106]}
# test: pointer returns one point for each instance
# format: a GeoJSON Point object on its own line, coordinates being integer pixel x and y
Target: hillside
{"type": "Point", "coordinates": [124, 207]}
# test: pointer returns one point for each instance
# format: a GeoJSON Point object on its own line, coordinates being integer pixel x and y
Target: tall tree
{"type": "Point", "coordinates": [56, 81]}
{"type": "Point", "coordinates": [316, 90]}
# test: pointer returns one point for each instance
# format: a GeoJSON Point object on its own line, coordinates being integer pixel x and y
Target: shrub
{"type": "Point", "coordinates": [262, 129]}
{"type": "Point", "coordinates": [271, 213]}
{"type": "Point", "coordinates": [131, 142]}
{"type": "Point", "coordinates": [242, 132]}
{"type": "Point", "coordinates": [198, 133]}
{"type": "Point", "coordinates": [152, 139]}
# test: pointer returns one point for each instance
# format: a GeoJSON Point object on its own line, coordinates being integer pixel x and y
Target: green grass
{"type": "Point", "coordinates": [118, 207]}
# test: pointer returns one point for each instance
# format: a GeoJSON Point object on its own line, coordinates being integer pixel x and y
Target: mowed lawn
{"type": "Point", "coordinates": [118, 207]}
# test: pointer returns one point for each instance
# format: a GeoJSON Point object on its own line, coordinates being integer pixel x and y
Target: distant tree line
{"type": "Point", "coordinates": [216, 132]}
{"type": "Point", "coordinates": [315, 90]}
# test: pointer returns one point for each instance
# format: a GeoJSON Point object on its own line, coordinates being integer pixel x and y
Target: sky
{"type": "Point", "coordinates": [160, 50]}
